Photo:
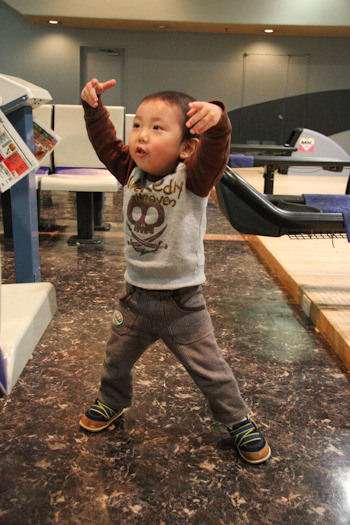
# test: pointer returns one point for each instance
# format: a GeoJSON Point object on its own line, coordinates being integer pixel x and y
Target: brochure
{"type": "Point", "coordinates": [44, 140]}
{"type": "Point", "coordinates": [16, 159]}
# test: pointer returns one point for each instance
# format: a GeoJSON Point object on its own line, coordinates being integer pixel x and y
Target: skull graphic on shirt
{"type": "Point", "coordinates": [145, 218]}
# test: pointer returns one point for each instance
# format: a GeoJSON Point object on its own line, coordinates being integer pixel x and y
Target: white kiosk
{"type": "Point", "coordinates": [27, 307]}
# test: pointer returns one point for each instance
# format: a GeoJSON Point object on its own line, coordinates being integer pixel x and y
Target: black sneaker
{"type": "Point", "coordinates": [249, 441]}
{"type": "Point", "coordinates": [98, 417]}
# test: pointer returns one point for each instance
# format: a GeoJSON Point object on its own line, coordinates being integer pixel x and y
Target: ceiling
{"type": "Point", "coordinates": [329, 18]}
{"type": "Point", "coordinates": [165, 25]}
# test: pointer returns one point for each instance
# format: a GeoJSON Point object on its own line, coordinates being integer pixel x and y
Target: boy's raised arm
{"type": "Point", "coordinates": [101, 131]}
{"type": "Point", "coordinates": [206, 166]}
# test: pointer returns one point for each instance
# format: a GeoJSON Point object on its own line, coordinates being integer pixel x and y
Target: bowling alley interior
{"type": "Point", "coordinates": [276, 234]}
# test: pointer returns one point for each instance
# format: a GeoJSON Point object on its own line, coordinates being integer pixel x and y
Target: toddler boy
{"type": "Point", "coordinates": [167, 173]}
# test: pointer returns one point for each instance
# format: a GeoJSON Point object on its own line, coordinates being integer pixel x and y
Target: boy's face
{"type": "Point", "coordinates": [155, 141]}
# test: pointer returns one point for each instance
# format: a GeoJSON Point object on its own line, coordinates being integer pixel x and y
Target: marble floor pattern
{"type": "Point", "coordinates": [169, 462]}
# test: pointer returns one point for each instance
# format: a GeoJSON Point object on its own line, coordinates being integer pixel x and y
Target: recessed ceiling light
{"type": "Point", "coordinates": [54, 22]}
{"type": "Point", "coordinates": [162, 27]}
{"type": "Point", "coordinates": [268, 30]}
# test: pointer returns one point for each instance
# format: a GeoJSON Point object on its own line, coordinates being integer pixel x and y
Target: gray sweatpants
{"type": "Point", "coordinates": [181, 320]}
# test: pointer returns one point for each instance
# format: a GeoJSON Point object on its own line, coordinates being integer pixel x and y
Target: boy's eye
{"type": "Point", "coordinates": [156, 127]}
{"type": "Point", "coordinates": [136, 125]}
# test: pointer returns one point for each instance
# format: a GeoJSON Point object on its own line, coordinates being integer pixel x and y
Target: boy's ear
{"type": "Point", "coordinates": [188, 147]}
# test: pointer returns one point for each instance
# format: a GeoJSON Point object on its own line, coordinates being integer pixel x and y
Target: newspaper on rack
{"type": "Point", "coordinates": [45, 139]}
{"type": "Point", "coordinates": [16, 159]}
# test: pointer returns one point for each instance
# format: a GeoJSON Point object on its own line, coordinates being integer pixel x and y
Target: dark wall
{"type": "Point", "coordinates": [327, 112]}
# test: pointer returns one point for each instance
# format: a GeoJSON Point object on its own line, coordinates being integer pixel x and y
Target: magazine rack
{"type": "Point", "coordinates": [28, 306]}
{"type": "Point", "coordinates": [17, 100]}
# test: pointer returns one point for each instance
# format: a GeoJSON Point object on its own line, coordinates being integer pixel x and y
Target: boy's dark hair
{"type": "Point", "coordinates": [181, 100]}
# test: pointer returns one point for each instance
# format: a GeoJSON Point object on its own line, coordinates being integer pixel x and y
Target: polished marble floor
{"type": "Point", "coordinates": [169, 463]}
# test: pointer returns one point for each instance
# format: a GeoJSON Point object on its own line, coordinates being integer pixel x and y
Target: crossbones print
{"type": "Point", "coordinates": [152, 216]}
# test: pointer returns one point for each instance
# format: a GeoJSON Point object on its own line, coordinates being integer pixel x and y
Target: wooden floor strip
{"type": "Point", "coordinates": [317, 271]}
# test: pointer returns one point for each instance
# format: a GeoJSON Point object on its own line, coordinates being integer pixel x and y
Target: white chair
{"type": "Point", "coordinates": [77, 168]}
{"type": "Point", "coordinates": [129, 120]}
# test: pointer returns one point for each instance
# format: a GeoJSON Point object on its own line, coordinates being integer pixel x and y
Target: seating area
{"type": "Point", "coordinates": [73, 166]}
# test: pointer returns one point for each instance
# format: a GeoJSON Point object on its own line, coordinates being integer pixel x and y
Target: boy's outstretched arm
{"type": "Point", "coordinates": [206, 165]}
{"type": "Point", "coordinates": [203, 116]}
{"type": "Point", "coordinates": [102, 133]}
{"type": "Point", "coordinates": [94, 88]}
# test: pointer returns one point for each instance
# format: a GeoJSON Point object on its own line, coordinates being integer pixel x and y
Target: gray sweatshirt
{"type": "Point", "coordinates": [164, 221]}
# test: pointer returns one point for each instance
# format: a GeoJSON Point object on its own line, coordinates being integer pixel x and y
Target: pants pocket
{"type": "Point", "coordinates": [188, 318]}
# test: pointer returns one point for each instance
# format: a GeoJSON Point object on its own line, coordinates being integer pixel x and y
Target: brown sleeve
{"type": "Point", "coordinates": [206, 166]}
{"type": "Point", "coordinates": [109, 149]}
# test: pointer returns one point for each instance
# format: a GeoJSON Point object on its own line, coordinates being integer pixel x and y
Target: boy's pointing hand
{"type": "Point", "coordinates": [94, 88]}
{"type": "Point", "coordinates": [204, 115]}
